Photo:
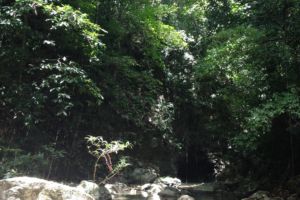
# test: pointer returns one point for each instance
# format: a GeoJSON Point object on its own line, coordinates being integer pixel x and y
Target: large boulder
{"type": "Point", "coordinates": [186, 197]}
{"type": "Point", "coordinates": [169, 192]}
{"type": "Point", "coordinates": [261, 195]}
{"type": "Point", "coordinates": [168, 181]}
{"type": "Point", "coordinates": [152, 189]}
{"type": "Point", "coordinates": [27, 188]}
{"type": "Point", "coordinates": [137, 173]}
{"type": "Point", "coordinates": [161, 190]}
{"type": "Point", "coordinates": [117, 188]}
{"type": "Point", "coordinates": [97, 192]}
{"type": "Point", "coordinates": [104, 193]}
{"type": "Point", "coordinates": [142, 175]}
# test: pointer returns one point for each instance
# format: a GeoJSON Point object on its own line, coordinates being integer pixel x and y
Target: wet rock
{"type": "Point", "coordinates": [138, 173]}
{"type": "Point", "coordinates": [245, 188]}
{"type": "Point", "coordinates": [104, 193]}
{"type": "Point", "coordinates": [169, 192]}
{"type": "Point", "coordinates": [168, 181]}
{"type": "Point", "coordinates": [154, 197]}
{"type": "Point", "coordinates": [97, 192]}
{"type": "Point", "coordinates": [117, 188]}
{"type": "Point", "coordinates": [186, 197]}
{"type": "Point", "coordinates": [90, 188]}
{"type": "Point", "coordinates": [143, 175]}
{"type": "Point", "coordinates": [260, 195]}
{"type": "Point", "coordinates": [202, 187]}
{"type": "Point", "coordinates": [27, 188]}
{"type": "Point", "coordinates": [152, 188]}
{"type": "Point", "coordinates": [161, 190]}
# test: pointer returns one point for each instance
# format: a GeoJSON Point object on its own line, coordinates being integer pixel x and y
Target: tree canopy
{"type": "Point", "coordinates": [216, 81]}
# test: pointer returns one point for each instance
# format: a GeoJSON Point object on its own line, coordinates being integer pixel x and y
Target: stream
{"type": "Point", "coordinates": [197, 191]}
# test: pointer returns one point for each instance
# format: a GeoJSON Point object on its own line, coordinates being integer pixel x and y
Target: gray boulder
{"type": "Point", "coordinates": [186, 197]}
{"type": "Point", "coordinates": [142, 175]}
{"type": "Point", "coordinates": [138, 173]}
{"type": "Point", "coordinates": [168, 181]}
{"type": "Point", "coordinates": [259, 195]}
{"type": "Point", "coordinates": [96, 191]}
{"type": "Point", "coordinates": [169, 192]}
{"type": "Point", "coordinates": [104, 193]}
{"type": "Point", "coordinates": [117, 188]}
{"type": "Point", "coordinates": [90, 188]}
{"type": "Point", "coordinates": [27, 188]}
{"type": "Point", "coordinates": [152, 189]}
{"type": "Point", "coordinates": [154, 197]}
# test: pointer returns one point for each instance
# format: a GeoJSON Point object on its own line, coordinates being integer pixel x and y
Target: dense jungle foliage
{"type": "Point", "coordinates": [202, 89]}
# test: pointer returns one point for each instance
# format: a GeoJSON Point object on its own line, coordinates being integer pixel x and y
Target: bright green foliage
{"type": "Point", "coordinates": [163, 114]}
{"type": "Point", "coordinates": [82, 34]}
{"type": "Point", "coordinates": [49, 50]}
{"type": "Point", "coordinates": [260, 121]}
{"type": "Point", "coordinates": [134, 75]}
{"type": "Point", "coordinates": [65, 31]}
{"type": "Point", "coordinates": [235, 74]}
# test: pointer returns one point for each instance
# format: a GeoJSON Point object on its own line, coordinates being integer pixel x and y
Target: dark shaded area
{"type": "Point", "coordinates": [195, 166]}
{"type": "Point", "coordinates": [280, 151]}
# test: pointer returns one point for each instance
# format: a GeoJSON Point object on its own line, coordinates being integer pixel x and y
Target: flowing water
{"type": "Point", "coordinates": [216, 196]}
{"type": "Point", "coordinates": [198, 191]}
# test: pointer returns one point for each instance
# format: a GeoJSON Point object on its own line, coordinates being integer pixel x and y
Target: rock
{"type": "Point", "coordinates": [169, 192]}
{"type": "Point", "coordinates": [142, 175]}
{"type": "Point", "coordinates": [146, 186]}
{"type": "Point", "coordinates": [293, 197]}
{"type": "Point", "coordinates": [137, 173]}
{"type": "Point", "coordinates": [168, 181]}
{"type": "Point", "coordinates": [154, 197]}
{"type": "Point", "coordinates": [104, 193]}
{"type": "Point", "coordinates": [202, 187]}
{"type": "Point", "coordinates": [186, 197]}
{"type": "Point", "coordinates": [27, 188]}
{"type": "Point", "coordinates": [161, 190]}
{"type": "Point", "coordinates": [90, 188]}
{"type": "Point", "coordinates": [117, 188]}
{"type": "Point", "coordinates": [241, 187]}
{"type": "Point", "coordinates": [260, 195]}
{"type": "Point", "coordinates": [152, 188]}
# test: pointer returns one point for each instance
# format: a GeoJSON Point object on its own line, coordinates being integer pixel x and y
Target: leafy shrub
{"type": "Point", "coordinates": [101, 149]}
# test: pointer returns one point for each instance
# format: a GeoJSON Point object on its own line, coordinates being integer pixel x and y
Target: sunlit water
{"type": "Point", "coordinates": [197, 191]}
{"type": "Point", "coordinates": [139, 197]}
{"type": "Point", "coordinates": [201, 196]}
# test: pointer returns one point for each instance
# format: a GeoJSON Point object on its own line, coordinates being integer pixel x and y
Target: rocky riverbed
{"type": "Point", "coordinates": [167, 188]}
